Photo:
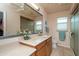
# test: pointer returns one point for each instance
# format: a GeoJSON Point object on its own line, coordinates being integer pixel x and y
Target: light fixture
{"type": "Point", "coordinates": [35, 6]}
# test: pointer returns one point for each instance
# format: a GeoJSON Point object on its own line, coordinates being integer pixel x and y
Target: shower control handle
{"type": "Point", "coordinates": [72, 34]}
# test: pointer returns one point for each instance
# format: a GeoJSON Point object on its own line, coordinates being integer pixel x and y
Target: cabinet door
{"type": "Point", "coordinates": [49, 46]}
{"type": "Point", "coordinates": [41, 52]}
{"type": "Point", "coordinates": [33, 54]}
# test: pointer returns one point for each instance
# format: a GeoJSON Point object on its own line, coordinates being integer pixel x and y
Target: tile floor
{"type": "Point", "coordinates": [62, 51]}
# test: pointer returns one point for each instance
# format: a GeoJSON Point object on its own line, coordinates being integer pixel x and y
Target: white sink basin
{"type": "Point", "coordinates": [36, 40]}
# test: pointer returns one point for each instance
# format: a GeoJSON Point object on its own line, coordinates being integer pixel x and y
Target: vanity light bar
{"type": "Point", "coordinates": [35, 6]}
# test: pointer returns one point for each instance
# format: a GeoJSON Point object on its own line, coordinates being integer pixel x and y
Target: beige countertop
{"type": "Point", "coordinates": [15, 49]}
{"type": "Point", "coordinates": [12, 47]}
{"type": "Point", "coordinates": [34, 41]}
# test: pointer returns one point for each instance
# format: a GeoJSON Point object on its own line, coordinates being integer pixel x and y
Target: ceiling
{"type": "Point", "coordinates": [55, 7]}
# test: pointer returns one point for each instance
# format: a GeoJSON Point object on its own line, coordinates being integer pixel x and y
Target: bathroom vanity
{"type": "Point", "coordinates": [17, 46]}
{"type": "Point", "coordinates": [42, 44]}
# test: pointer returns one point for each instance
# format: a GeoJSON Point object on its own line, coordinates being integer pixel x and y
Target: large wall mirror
{"type": "Point", "coordinates": [20, 16]}
{"type": "Point", "coordinates": [2, 23]}
{"type": "Point", "coordinates": [32, 21]}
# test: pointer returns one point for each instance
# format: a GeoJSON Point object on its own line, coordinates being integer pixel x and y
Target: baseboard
{"type": "Point", "coordinates": [63, 45]}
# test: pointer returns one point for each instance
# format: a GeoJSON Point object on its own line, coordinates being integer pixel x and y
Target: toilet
{"type": "Point", "coordinates": [54, 41]}
{"type": "Point", "coordinates": [54, 44]}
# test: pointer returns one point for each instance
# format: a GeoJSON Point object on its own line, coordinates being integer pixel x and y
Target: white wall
{"type": "Point", "coordinates": [52, 27]}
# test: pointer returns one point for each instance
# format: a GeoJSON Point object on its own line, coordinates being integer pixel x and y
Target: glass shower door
{"type": "Point", "coordinates": [74, 42]}
{"type": "Point", "coordinates": [76, 34]}
{"type": "Point", "coordinates": [72, 33]}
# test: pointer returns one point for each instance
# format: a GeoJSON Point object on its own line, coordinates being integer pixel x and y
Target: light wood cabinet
{"type": "Point", "coordinates": [44, 48]}
{"type": "Point", "coordinates": [41, 52]}
{"type": "Point", "coordinates": [39, 46]}
{"type": "Point", "coordinates": [49, 46]}
{"type": "Point", "coordinates": [33, 54]}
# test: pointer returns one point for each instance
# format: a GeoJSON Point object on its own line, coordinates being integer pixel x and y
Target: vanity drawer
{"type": "Point", "coordinates": [40, 45]}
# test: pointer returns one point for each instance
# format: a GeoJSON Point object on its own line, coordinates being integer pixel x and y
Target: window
{"type": "Point", "coordinates": [38, 26]}
{"type": "Point", "coordinates": [62, 24]}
